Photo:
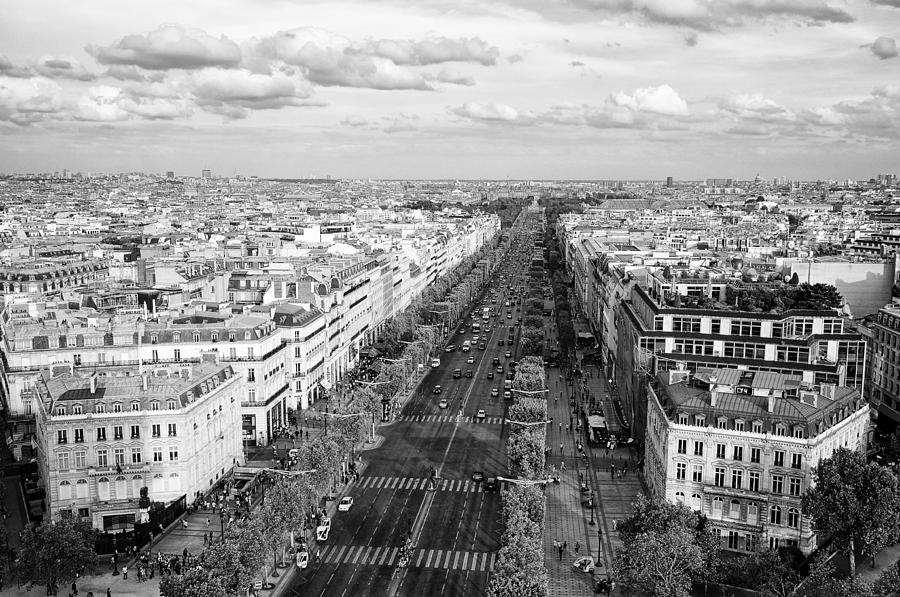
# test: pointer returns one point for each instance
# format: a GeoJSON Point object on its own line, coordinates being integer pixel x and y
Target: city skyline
{"type": "Point", "coordinates": [524, 90]}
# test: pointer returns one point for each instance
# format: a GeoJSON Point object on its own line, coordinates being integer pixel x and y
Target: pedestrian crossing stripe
{"type": "Point", "coordinates": [419, 483]}
{"type": "Point", "coordinates": [450, 419]}
{"type": "Point", "coordinates": [446, 559]}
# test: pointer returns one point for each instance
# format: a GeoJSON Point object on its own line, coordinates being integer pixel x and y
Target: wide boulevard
{"type": "Point", "coordinates": [455, 527]}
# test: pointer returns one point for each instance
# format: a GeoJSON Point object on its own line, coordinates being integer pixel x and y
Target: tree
{"type": "Point", "coordinates": [659, 563]}
{"type": "Point", "coordinates": [235, 562]}
{"type": "Point", "coordinates": [856, 502]}
{"type": "Point", "coordinates": [192, 582]}
{"type": "Point", "coordinates": [54, 552]}
{"type": "Point", "coordinates": [282, 511]}
{"type": "Point", "coordinates": [888, 584]}
{"type": "Point", "coordinates": [525, 451]}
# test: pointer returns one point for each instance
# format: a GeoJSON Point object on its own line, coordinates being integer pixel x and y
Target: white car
{"type": "Point", "coordinates": [470, 360]}
{"type": "Point", "coordinates": [443, 404]}
{"type": "Point", "coordinates": [345, 504]}
{"type": "Point", "coordinates": [481, 414]}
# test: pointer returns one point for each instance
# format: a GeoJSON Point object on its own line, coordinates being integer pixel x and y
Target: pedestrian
{"type": "Point", "coordinates": [560, 552]}
{"type": "Point", "coordinates": [577, 547]}
{"type": "Point", "coordinates": [560, 447]}
{"type": "Point", "coordinates": [625, 470]}
{"type": "Point", "coordinates": [612, 470]}
{"type": "Point", "coordinates": [207, 523]}
{"type": "Point", "coordinates": [124, 572]}
{"type": "Point", "coordinates": [108, 594]}
{"type": "Point", "coordinates": [562, 466]}
{"type": "Point", "coordinates": [565, 545]}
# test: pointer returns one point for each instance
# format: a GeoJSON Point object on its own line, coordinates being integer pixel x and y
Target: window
{"type": "Point", "coordinates": [798, 432]}
{"type": "Point", "coordinates": [774, 543]}
{"type": "Point", "coordinates": [733, 537]}
{"type": "Point", "coordinates": [117, 432]}
{"type": "Point", "coordinates": [119, 454]}
{"type": "Point", "coordinates": [79, 436]}
{"type": "Point", "coordinates": [778, 458]}
{"type": "Point", "coordinates": [102, 458]}
{"type": "Point", "coordinates": [699, 420]}
{"type": "Point", "coordinates": [695, 501]}
{"type": "Point", "coordinates": [682, 419]}
{"type": "Point", "coordinates": [679, 497]}
{"type": "Point", "coordinates": [780, 430]}
{"type": "Point", "coordinates": [777, 483]}
{"type": "Point", "coordinates": [196, 336]}
{"type": "Point", "coordinates": [60, 410]}
{"type": "Point", "coordinates": [737, 478]}
{"type": "Point", "coordinates": [61, 436]}
{"type": "Point", "coordinates": [173, 429]}
{"type": "Point", "coordinates": [171, 405]}
{"type": "Point", "coordinates": [738, 453]}
{"type": "Point", "coordinates": [173, 452]}
{"type": "Point", "coordinates": [65, 493]}
{"type": "Point", "coordinates": [720, 450]}
{"type": "Point", "coordinates": [796, 460]}
{"type": "Point", "coordinates": [80, 459]}
{"type": "Point", "coordinates": [717, 506]}
{"type": "Point", "coordinates": [715, 325]}
{"type": "Point", "coordinates": [154, 405]}
{"type": "Point", "coordinates": [755, 455]}
{"type": "Point", "coordinates": [739, 425]}
{"type": "Point", "coordinates": [720, 476]}
{"type": "Point", "coordinates": [136, 456]}
{"type": "Point", "coordinates": [157, 455]}
{"type": "Point", "coordinates": [794, 518]}
{"type": "Point", "coordinates": [135, 431]}
{"type": "Point", "coordinates": [697, 474]}
{"type": "Point", "coordinates": [117, 407]}
{"type": "Point", "coordinates": [251, 395]}
{"type": "Point", "coordinates": [177, 354]}
{"type": "Point", "coordinates": [794, 486]}
{"type": "Point", "coordinates": [749, 542]}
{"type": "Point", "coordinates": [251, 374]}
{"type": "Point", "coordinates": [682, 446]}
{"type": "Point", "coordinates": [154, 356]}
{"type": "Point", "coordinates": [155, 430]}
{"type": "Point", "coordinates": [734, 509]}
{"type": "Point", "coordinates": [722, 423]}
{"type": "Point", "coordinates": [757, 427]}
{"type": "Point", "coordinates": [752, 513]}
{"type": "Point", "coordinates": [135, 406]}
{"type": "Point", "coordinates": [775, 515]}
{"type": "Point", "coordinates": [698, 448]}
{"type": "Point", "coordinates": [62, 461]}
{"type": "Point", "coordinates": [680, 471]}
{"type": "Point", "coordinates": [753, 481]}
{"type": "Point", "coordinates": [84, 512]}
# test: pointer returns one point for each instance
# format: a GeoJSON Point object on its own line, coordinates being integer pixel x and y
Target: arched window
{"type": "Point", "coordinates": [794, 518]}
{"type": "Point", "coordinates": [135, 406]}
{"type": "Point", "coordinates": [81, 488]}
{"type": "Point", "coordinates": [77, 409]}
{"type": "Point", "coordinates": [65, 490]}
{"type": "Point", "coordinates": [103, 489]}
{"type": "Point", "coordinates": [137, 482]}
{"type": "Point", "coordinates": [121, 487]}
{"type": "Point", "coordinates": [695, 501]}
{"type": "Point", "coordinates": [174, 482]}
{"type": "Point", "coordinates": [196, 336]}
{"type": "Point", "coordinates": [100, 407]}
{"type": "Point", "coordinates": [734, 509]}
{"type": "Point", "coordinates": [170, 405]}
{"type": "Point", "coordinates": [717, 506]}
{"type": "Point", "coordinates": [159, 483]}
{"type": "Point", "coordinates": [679, 497]}
{"type": "Point", "coordinates": [752, 513]}
{"type": "Point", "coordinates": [117, 407]}
{"type": "Point", "coordinates": [775, 515]}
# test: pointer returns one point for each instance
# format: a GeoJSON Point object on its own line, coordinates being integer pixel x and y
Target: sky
{"type": "Point", "coordinates": [519, 89]}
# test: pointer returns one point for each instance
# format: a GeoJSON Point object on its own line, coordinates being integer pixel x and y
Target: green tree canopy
{"type": "Point", "coordinates": [54, 552]}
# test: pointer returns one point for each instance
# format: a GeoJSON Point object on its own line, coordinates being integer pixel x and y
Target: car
{"type": "Point", "coordinates": [482, 346]}
{"type": "Point", "coordinates": [507, 395]}
{"type": "Point", "coordinates": [345, 504]}
{"type": "Point", "coordinates": [468, 373]}
{"type": "Point", "coordinates": [500, 342]}
{"type": "Point", "coordinates": [495, 361]}
{"type": "Point", "coordinates": [490, 375]}
{"type": "Point", "coordinates": [509, 315]}
{"type": "Point", "coordinates": [462, 331]}
{"type": "Point", "coordinates": [436, 390]}
{"type": "Point", "coordinates": [443, 403]}
{"type": "Point", "coordinates": [499, 368]}
{"type": "Point", "coordinates": [487, 329]}
{"type": "Point", "coordinates": [491, 484]}
{"type": "Point", "coordinates": [495, 392]}
{"type": "Point", "coordinates": [481, 414]}
{"type": "Point", "coordinates": [478, 476]}
{"type": "Point", "coordinates": [508, 354]}
{"type": "Point", "coordinates": [457, 373]}
{"type": "Point", "coordinates": [470, 360]}
{"type": "Point", "coordinates": [584, 564]}
{"type": "Point", "coordinates": [450, 348]}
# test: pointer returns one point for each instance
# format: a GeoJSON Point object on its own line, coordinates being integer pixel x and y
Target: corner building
{"type": "Point", "coordinates": [740, 446]}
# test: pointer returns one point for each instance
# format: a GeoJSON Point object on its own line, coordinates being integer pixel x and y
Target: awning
{"type": "Point", "coordinates": [596, 421]}
{"type": "Point", "coordinates": [325, 384]}
{"type": "Point", "coordinates": [585, 336]}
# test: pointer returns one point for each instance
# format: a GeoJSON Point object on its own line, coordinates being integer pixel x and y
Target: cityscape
{"type": "Point", "coordinates": [448, 298]}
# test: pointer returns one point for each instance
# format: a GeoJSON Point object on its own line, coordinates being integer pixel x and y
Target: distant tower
{"type": "Point", "coordinates": [170, 174]}
{"type": "Point", "coordinates": [669, 181]}
{"type": "Point", "coordinates": [205, 174]}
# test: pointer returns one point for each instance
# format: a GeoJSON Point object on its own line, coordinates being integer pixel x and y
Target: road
{"type": "Point", "coordinates": [456, 527]}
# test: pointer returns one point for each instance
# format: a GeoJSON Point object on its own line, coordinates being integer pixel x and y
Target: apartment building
{"type": "Point", "coordinates": [740, 447]}
{"type": "Point", "coordinates": [883, 388]}
{"type": "Point", "coordinates": [304, 332]}
{"type": "Point", "coordinates": [103, 435]}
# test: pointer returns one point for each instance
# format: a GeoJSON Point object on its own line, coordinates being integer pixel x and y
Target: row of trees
{"type": "Point", "coordinates": [667, 548]}
{"type": "Point", "coordinates": [519, 568]}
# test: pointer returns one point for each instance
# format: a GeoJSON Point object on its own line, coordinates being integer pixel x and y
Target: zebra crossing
{"type": "Point", "coordinates": [412, 483]}
{"type": "Point", "coordinates": [445, 559]}
{"type": "Point", "coordinates": [449, 419]}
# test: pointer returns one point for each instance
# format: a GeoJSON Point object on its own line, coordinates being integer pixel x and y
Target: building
{"type": "Point", "coordinates": [174, 429]}
{"type": "Point", "coordinates": [739, 446]}
{"type": "Point", "coordinates": [883, 390]}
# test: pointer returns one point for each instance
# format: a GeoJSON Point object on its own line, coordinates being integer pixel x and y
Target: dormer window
{"type": "Point", "coordinates": [117, 407]}
{"type": "Point", "coordinates": [214, 337]}
{"type": "Point", "coordinates": [60, 410]}
{"type": "Point", "coordinates": [757, 427]}
{"type": "Point", "coordinates": [154, 405]}
{"type": "Point", "coordinates": [798, 432]}
{"type": "Point", "coordinates": [196, 336]}
{"type": "Point", "coordinates": [247, 335]}
{"type": "Point", "coordinates": [700, 420]}
{"type": "Point", "coordinates": [739, 425]}
{"type": "Point", "coordinates": [780, 430]}
{"type": "Point", "coordinates": [77, 409]}
{"type": "Point", "coordinates": [231, 336]}
{"type": "Point", "coordinates": [135, 406]}
{"type": "Point", "coordinates": [154, 339]}
{"type": "Point", "coordinates": [722, 423]}
{"type": "Point", "coordinates": [682, 419]}
{"type": "Point", "coordinates": [171, 405]}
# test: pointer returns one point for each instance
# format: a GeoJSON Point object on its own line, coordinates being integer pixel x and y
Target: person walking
{"type": "Point", "coordinates": [577, 547]}
{"type": "Point", "coordinates": [562, 465]}
{"type": "Point", "coordinates": [108, 593]}
{"type": "Point", "coordinates": [124, 572]}
{"type": "Point", "coordinates": [560, 447]}
{"type": "Point", "coordinates": [560, 547]}
{"type": "Point", "coordinates": [612, 470]}
{"type": "Point", "coordinates": [625, 470]}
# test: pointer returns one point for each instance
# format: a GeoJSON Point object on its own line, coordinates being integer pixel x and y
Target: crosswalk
{"type": "Point", "coordinates": [445, 559]}
{"type": "Point", "coordinates": [450, 419]}
{"type": "Point", "coordinates": [412, 483]}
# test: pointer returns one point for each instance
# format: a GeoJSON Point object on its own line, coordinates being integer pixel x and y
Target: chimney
{"type": "Point", "coordinates": [93, 379]}
{"type": "Point", "coordinates": [713, 391]}
{"type": "Point", "coordinates": [771, 407]}
{"type": "Point", "coordinates": [145, 380]}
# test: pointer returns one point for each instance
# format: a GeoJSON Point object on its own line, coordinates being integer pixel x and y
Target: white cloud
{"type": "Point", "coordinates": [452, 77]}
{"type": "Point", "coordinates": [487, 111]}
{"type": "Point", "coordinates": [885, 47]}
{"type": "Point", "coordinates": [756, 107]}
{"type": "Point", "coordinates": [660, 100]}
{"type": "Point", "coordinates": [101, 104]}
{"type": "Point", "coordinates": [169, 47]}
{"type": "Point", "coordinates": [233, 92]}
{"type": "Point", "coordinates": [63, 67]}
{"type": "Point", "coordinates": [23, 101]}
{"type": "Point", "coordinates": [435, 51]}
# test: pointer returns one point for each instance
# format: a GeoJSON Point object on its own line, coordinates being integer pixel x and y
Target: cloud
{"type": "Point", "coordinates": [756, 107]}
{"type": "Point", "coordinates": [893, 3]}
{"type": "Point", "coordinates": [487, 111]}
{"type": "Point", "coordinates": [576, 63]}
{"type": "Point", "coordinates": [400, 127]}
{"type": "Point", "coordinates": [452, 77]}
{"type": "Point", "coordinates": [331, 60]}
{"type": "Point", "coordinates": [884, 48]}
{"type": "Point", "coordinates": [690, 38]}
{"type": "Point", "coordinates": [660, 100]}
{"type": "Point", "coordinates": [63, 67]}
{"type": "Point", "coordinates": [169, 47]}
{"type": "Point", "coordinates": [8, 69]}
{"type": "Point", "coordinates": [234, 92]}
{"type": "Point", "coordinates": [355, 121]}
{"type": "Point", "coordinates": [512, 59]}
{"type": "Point", "coordinates": [710, 15]}
{"type": "Point", "coordinates": [23, 101]}
{"type": "Point", "coordinates": [435, 51]}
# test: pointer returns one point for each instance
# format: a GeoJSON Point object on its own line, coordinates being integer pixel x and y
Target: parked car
{"type": "Point", "coordinates": [345, 504]}
{"type": "Point", "coordinates": [436, 390]}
